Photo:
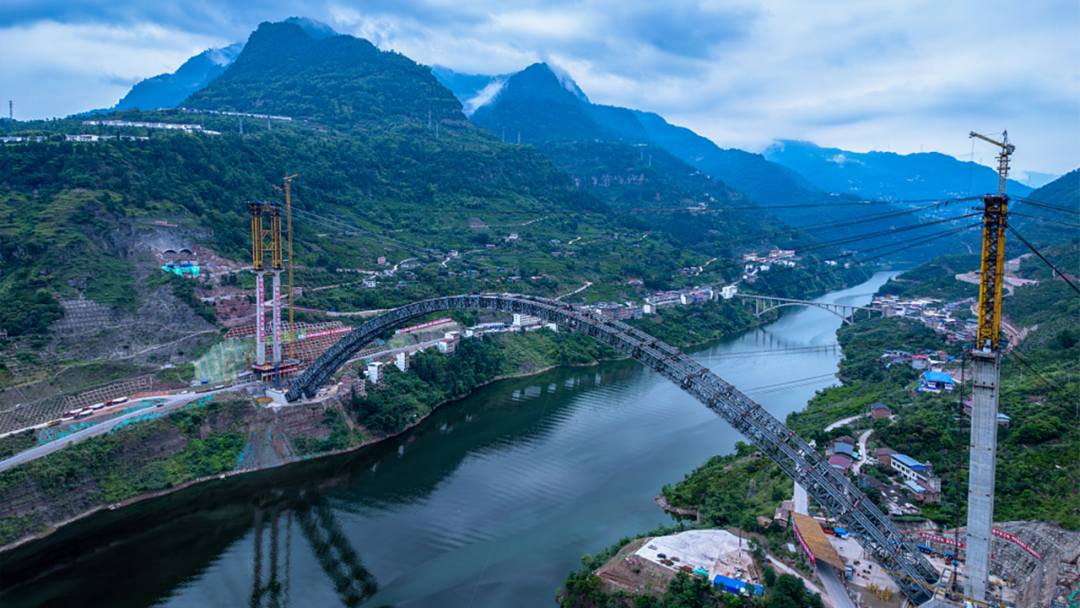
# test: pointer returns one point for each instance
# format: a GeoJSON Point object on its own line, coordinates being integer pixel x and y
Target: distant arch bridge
{"type": "Point", "coordinates": [829, 487]}
{"type": "Point", "coordinates": [764, 304]}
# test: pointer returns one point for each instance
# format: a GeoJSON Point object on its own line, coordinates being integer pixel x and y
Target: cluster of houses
{"type": "Point", "coordinates": [224, 113]}
{"type": "Point", "coordinates": [754, 263]}
{"type": "Point", "coordinates": [377, 364]}
{"type": "Point", "coordinates": [917, 478]}
{"type": "Point", "coordinates": [934, 378]}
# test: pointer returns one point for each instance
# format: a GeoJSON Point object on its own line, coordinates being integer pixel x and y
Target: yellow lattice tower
{"type": "Point", "coordinates": [265, 240]}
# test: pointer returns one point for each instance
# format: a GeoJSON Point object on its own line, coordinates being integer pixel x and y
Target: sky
{"type": "Point", "coordinates": [860, 75]}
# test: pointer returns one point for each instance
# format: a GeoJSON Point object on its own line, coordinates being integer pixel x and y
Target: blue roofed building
{"type": "Point", "coordinates": [732, 585]}
{"type": "Point", "coordinates": [935, 382]}
{"type": "Point", "coordinates": [909, 468]}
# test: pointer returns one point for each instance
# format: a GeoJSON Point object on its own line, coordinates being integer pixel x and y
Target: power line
{"type": "Point", "coordinates": [671, 273]}
{"type": "Point", "coordinates": [819, 275]}
{"type": "Point", "coordinates": [860, 203]}
{"type": "Point", "coordinates": [1046, 205]}
{"type": "Point", "coordinates": [1036, 251]}
{"type": "Point", "coordinates": [1044, 219]}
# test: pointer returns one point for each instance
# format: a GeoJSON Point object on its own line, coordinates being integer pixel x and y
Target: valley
{"type": "Point", "coordinates": [476, 454]}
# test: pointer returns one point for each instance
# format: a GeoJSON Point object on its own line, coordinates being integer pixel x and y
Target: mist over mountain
{"type": "Point", "coordinates": [537, 105]}
{"type": "Point", "coordinates": [168, 90]}
{"type": "Point", "coordinates": [473, 90]}
{"type": "Point", "coordinates": [888, 175]}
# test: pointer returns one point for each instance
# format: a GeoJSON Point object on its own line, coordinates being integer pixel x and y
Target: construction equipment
{"type": "Point", "coordinates": [986, 373]}
{"type": "Point", "coordinates": [292, 290]}
{"type": "Point", "coordinates": [1003, 159]}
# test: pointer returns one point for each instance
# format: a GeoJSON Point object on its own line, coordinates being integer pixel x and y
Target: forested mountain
{"type": "Point", "coordinates": [534, 107]}
{"type": "Point", "coordinates": [1047, 216]}
{"type": "Point", "coordinates": [890, 176]}
{"type": "Point", "coordinates": [168, 90]}
{"type": "Point", "coordinates": [341, 81]}
{"type": "Point", "coordinates": [551, 112]}
{"type": "Point", "coordinates": [378, 178]}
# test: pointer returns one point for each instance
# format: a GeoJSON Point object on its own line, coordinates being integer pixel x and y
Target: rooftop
{"type": "Point", "coordinates": [820, 547]}
{"type": "Point", "coordinates": [908, 461]}
{"type": "Point", "coordinates": [937, 377]}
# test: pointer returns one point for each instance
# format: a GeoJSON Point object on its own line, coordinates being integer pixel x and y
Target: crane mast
{"type": "Point", "coordinates": [986, 380]}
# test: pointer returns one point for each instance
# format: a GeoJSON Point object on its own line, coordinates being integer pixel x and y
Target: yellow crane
{"type": "Point", "coordinates": [1003, 159]}
{"type": "Point", "coordinates": [986, 379]}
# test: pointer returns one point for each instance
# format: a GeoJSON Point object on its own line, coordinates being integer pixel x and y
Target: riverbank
{"type": "Point", "coordinates": [536, 450]}
{"type": "Point", "coordinates": [272, 438]}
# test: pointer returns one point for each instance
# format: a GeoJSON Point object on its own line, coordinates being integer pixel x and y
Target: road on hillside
{"type": "Point", "coordinates": [863, 456]}
{"type": "Point", "coordinates": [835, 589]}
{"type": "Point", "coordinates": [172, 402]}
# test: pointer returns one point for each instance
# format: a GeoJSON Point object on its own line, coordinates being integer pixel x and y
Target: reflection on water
{"type": "Point", "coordinates": [488, 502]}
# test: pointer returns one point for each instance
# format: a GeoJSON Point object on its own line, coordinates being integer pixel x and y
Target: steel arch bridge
{"type": "Point", "coordinates": [829, 487]}
{"type": "Point", "coordinates": [763, 304]}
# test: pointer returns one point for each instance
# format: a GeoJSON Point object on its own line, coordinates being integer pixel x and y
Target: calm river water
{"type": "Point", "coordinates": [487, 503]}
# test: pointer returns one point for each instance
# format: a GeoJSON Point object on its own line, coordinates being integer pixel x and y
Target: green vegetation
{"type": "Point", "coordinates": [341, 437]}
{"type": "Point", "coordinates": [341, 81]}
{"type": "Point", "coordinates": [1038, 454]}
{"type": "Point", "coordinates": [733, 489]}
{"type": "Point", "coordinates": [434, 378]}
{"type": "Point", "coordinates": [19, 442]}
{"type": "Point", "coordinates": [150, 456]}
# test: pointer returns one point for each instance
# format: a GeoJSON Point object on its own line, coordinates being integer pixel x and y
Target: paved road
{"type": "Point", "coordinates": [781, 566]}
{"type": "Point", "coordinates": [863, 456]}
{"type": "Point", "coordinates": [172, 402]}
{"type": "Point", "coordinates": [836, 591]}
{"type": "Point", "coordinates": [578, 290]}
{"type": "Point", "coordinates": [840, 423]}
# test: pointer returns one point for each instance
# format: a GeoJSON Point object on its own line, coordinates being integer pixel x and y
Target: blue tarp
{"type": "Point", "coordinates": [181, 270]}
{"type": "Point", "coordinates": [728, 584]}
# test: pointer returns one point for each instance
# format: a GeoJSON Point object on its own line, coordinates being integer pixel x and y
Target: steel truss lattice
{"type": "Point", "coordinates": [830, 488]}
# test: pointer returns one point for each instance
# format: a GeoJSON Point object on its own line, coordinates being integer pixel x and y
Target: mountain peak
{"type": "Point", "coordinates": [317, 30]}
{"type": "Point", "coordinates": [543, 73]}
{"type": "Point", "coordinates": [336, 80]}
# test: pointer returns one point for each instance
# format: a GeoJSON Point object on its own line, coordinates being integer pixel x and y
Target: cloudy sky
{"type": "Point", "coordinates": [855, 74]}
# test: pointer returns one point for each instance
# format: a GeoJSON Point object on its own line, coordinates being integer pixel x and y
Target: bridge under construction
{"type": "Point", "coordinates": [829, 487]}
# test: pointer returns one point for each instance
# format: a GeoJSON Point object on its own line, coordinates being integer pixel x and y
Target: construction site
{"type": "Point", "coordinates": [876, 560]}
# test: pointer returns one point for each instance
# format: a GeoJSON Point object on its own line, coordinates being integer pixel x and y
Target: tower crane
{"type": "Point", "coordinates": [1003, 158]}
{"type": "Point", "coordinates": [986, 378]}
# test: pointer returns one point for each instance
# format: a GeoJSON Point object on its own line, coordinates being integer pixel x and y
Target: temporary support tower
{"type": "Point", "coordinates": [266, 240]}
{"type": "Point", "coordinates": [986, 372]}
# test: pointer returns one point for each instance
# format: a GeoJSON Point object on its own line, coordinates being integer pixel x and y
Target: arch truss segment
{"type": "Point", "coordinates": [830, 488]}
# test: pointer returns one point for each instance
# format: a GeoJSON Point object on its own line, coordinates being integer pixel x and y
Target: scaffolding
{"type": "Point", "coordinates": [267, 259]}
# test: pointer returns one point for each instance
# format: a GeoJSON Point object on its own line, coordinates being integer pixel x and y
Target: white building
{"type": "Point", "coordinates": [521, 320]}
{"type": "Point", "coordinates": [375, 372]}
{"type": "Point", "coordinates": [728, 291]}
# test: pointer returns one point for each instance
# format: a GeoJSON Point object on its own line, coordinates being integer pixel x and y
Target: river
{"type": "Point", "coordinates": [489, 502]}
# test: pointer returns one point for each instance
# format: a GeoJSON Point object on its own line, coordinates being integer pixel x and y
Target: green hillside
{"type": "Point", "coordinates": [1050, 216]}
{"type": "Point", "coordinates": [339, 81]}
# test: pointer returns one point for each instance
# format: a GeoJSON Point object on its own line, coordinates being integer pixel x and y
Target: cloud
{"type": "Point", "coordinates": [485, 96]}
{"type": "Point", "coordinates": [842, 159]}
{"type": "Point", "coordinates": [847, 74]}
{"type": "Point", "coordinates": [54, 69]}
